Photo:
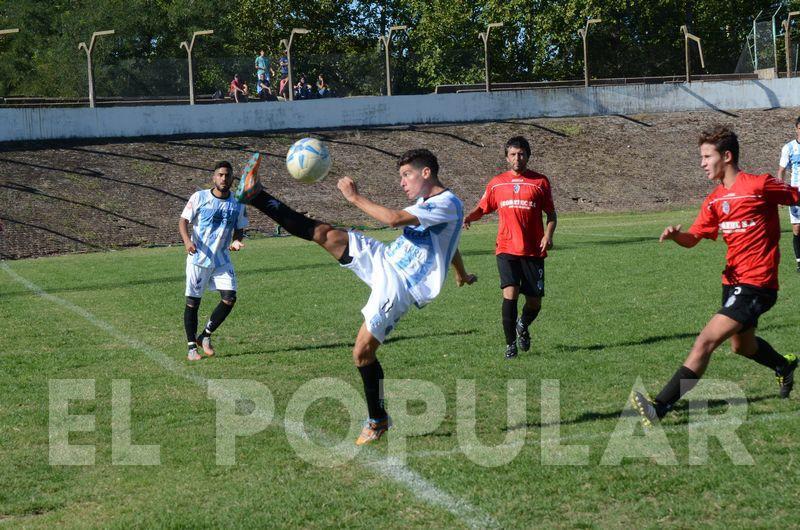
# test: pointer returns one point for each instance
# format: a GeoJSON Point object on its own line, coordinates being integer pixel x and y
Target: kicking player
{"type": "Point", "coordinates": [409, 271]}
{"type": "Point", "coordinates": [790, 160]}
{"type": "Point", "coordinates": [744, 208]}
{"type": "Point", "coordinates": [520, 196]}
{"type": "Point", "coordinates": [217, 221]}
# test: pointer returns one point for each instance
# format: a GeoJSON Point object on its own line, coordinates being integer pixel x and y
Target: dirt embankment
{"type": "Point", "coordinates": [73, 197]}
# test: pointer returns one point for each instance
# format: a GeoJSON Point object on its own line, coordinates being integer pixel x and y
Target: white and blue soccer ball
{"type": "Point", "coordinates": [308, 160]}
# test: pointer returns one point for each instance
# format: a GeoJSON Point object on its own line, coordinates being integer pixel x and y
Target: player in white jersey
{"type": "Point", "coordinates": [790, 161]}
{"type": "Point", "coordinates": [217, 220]}
{"type": "Point", "coordinates": [409, 271]}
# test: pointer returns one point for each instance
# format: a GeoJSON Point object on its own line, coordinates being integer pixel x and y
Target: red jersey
{"type": "Point", "coordinates": [747, 216]}
{"type": "Point", "coordinates": [519, 201]}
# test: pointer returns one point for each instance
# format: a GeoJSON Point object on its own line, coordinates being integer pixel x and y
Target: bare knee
{"type": "Point", "coordinates": [363, 354]}
{"type": "Point", "coordinates": [321, 232]}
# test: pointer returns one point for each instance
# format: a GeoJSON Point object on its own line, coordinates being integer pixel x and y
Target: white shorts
{"type": "Point", "coordinates": [198, 278]}
{"type": "Point", "coordinates": [390, 299]}
{"type": "Point", "coordinates": [794, 215]}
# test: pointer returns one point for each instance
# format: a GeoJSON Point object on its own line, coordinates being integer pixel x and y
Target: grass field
{"type": "Point", "coordinates": [619, 307]}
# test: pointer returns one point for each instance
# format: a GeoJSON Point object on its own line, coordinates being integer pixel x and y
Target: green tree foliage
{"type": "Point", "coordinates": [538, 41]}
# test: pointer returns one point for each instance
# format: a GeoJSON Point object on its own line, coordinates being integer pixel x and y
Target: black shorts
{"type": "Point", "coordinates": [522, 271]}
{"type": "Point", "coordinates": [745, 303]}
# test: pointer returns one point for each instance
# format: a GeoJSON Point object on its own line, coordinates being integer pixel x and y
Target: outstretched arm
{"type": "Point", "coordinates": [473, 216]}
{"type": "Point", "coordinates": [684, 239]}
{"type": "Point", "coordinates": [382, 214]}
{"type": "Point", "coordinates": [462, 276]}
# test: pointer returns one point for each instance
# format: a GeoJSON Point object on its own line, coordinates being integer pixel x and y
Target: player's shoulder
{"type": "Point", "coordinates": [501, 178]}
{"type": "Point", "coordinates": [535, 175]}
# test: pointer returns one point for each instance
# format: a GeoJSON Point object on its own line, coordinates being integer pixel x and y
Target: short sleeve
{"type": "Point", "coordinates": [784, 162]}
{"type": "Point", "coordinates": [435, 212]}
{"type": "Point", "coordinates": [547, 199]}
{"type": "Point", "coordinates": [487, 204]}
{"type": "Point", "coordinates": [777, 191]}
{"type": "Point", "coordinates": [190, 210]}
{"type": "Point", "coordinates": [706, 225]}
{"type": "Point", "coordinates": [241, 220]}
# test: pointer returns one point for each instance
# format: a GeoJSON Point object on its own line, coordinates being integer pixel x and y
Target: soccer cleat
{"type": "Point", "coordinates": [193, 355]}
{"type": "Point", "coordinates": [249, 185]}
{"type": "Point", "coordinates": [786, 379]}
{"type": "Point", "coordinates": [645, 407]}
{"type": "Point", "coordinates": [373, 430]}
{"type": "Point", "coordinates": [524, 336]}
{"type": "Point", "coordinates": [511, 350]}
{"type": "Point", "coordinates": [208, 349]}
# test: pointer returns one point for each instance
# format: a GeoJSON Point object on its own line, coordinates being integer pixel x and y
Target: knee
{"type": "Point", "coordinates": [363, 355]}
{"type": "Point", "coordinates": [192, 302]}
{"type": "Point", "coordinates": [703, 347]}
{"type": "Point", "coordinates": [228, 297]}
{"type": "Point", "coordinates": [321, 233]}
{"type": "Point", "coordinates": [533, 303]}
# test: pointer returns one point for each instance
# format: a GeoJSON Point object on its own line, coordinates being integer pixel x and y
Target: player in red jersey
{"type": "Point", "coordinates": [744, 208]}
{"type": "Point", "coordinates": [520, 196]}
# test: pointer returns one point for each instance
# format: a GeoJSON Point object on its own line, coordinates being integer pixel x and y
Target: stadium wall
{"type": "Point", "coordinates": [31, 124]}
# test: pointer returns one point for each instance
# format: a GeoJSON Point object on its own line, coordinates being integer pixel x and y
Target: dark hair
{"type": "Point", "coordinates": [520, 143]}
{"type": "Point", "coordinates": [420, 158]}
{"type": "Point", "coordinates": [223, 163]}
{"type": "Point", "coordinates": [723, 138]}
{"type": "Point", "coordinates": [797, 121]}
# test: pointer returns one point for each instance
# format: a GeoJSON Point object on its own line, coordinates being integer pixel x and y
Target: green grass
{"type": "Point", "coordinates": [619, 306]}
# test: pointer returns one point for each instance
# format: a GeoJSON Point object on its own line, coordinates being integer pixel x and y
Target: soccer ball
{"type": "Point", "coordinates": [308, 160]}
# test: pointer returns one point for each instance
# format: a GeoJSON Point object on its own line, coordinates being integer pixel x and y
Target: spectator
{"type": "Point", "coordinates": [323, 90]}
{"type": "Point", "coordinates": [283, 88]}
{"type": "Point", "coordinates": [263, 90]}
{"type": "Point", "coordinates": [238, 90]}
{"type": "Point", "coordinates": [302, 90]}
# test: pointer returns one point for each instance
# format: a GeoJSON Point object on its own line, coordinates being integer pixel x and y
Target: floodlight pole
{"type": "Point", "coordinates": [775, 38]}
{"type": "Point", "coordinates": [88, 50]}
{"type": "Point", "coordinates": [583, 32]}
{"type": "Point", "coordinates": [386, 40]}
{"type": "Point", "coordinates": [188, 47]}
{"type": "Point", "coordinates": [686, 37]}
{"type": "Point", "coordinates": [8, 31]}
{"type": "Point", "coordinates": [485, 38]}
{"type": "Point", "coordinates": [287, 45]}
{"type": "Point", "coordinates": [787, 30]}
{"type": "Point", "coordinates": [755, 40]}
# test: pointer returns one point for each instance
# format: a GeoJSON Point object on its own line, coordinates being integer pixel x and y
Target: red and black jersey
{"type": "Point", "coordinates": [747, 216]}
{"type": "Point", "coordinates": [519, 201]}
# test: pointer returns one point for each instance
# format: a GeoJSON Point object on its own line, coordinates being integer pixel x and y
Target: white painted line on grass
{"type": "Point", "coordinates": [424, 490]}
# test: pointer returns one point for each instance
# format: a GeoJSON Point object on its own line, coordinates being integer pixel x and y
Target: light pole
{"type": "Point", "coordinates": [583, 33]}
{"type": "Point", "coordinates": [775, 38]}
{"type": "Point", "coordinates": [386, 40]}
{"type": "Point", "coordinates": [686, 37]}
{"type": "Point", "coordinates": [88, 50]}
{"type": "Point", "coordinates": [8, 31]}
{"type": "Point", "coordinates": [287, 44]}
{"type": "Point", "coordinates": [755, 39]}
{"type": "Point", "coordinates": [188, 47]}
{"type": "Point", "coordinates": [787, 30]}
{"type": "Point", "coordinates": [485, 38]}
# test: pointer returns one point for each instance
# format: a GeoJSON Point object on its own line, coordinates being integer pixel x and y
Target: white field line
{"type": "Point", "coordinates": [587, 437]}
{"type": "Point", "coordinates": [424, 490]}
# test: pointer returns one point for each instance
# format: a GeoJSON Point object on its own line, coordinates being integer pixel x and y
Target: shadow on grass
{"type": "Point", "coordinates": [349, 344]}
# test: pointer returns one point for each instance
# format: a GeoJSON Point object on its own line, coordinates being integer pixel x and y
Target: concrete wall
{"type": "Point", "coordinates": [47, 124]}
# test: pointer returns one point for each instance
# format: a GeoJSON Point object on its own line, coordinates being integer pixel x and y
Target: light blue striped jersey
{"type": "Point", "coordinates": [213, 222]}
{"type": "Point", "coordinates": [790, 160]}
{"type": "Point", "coordinates": [422, 255]}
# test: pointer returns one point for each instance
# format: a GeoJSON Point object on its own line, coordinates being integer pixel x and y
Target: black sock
{"type": "Point", "coordinates": [529, 315]}
{"type": "Point", "coordinates": [293, 222]}
{"type": "Point", "coordinates": [219, 315]}
{"type": "Point", "coordinates": [372, 375]}
{"type": "Point", "coordinates": [510, 320]}
{"type": "Point", "coordinates": [767, 356]}
{"type": "Point", "coordinates": [796, 245]}
{"type": "Point", "coordinates": [190, 321]}
{"type": "Point", "coordinates": [673, 390]}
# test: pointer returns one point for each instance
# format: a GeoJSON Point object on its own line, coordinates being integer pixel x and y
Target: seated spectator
{"type": "Point", "coordinates": [238, 90]}
{"type": "Point", "coordinates": [263, 89]}
{"type": "Point", "coordinates": [323, 90]}
{"type": "Point", "coordinates": [302, 90]}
